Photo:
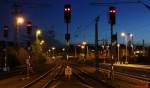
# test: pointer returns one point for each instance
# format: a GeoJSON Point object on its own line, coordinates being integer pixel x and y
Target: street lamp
{"type": "Point", "coordinates": [82, 46]}
{"type": "Point", "coordinates": [41, 45]}
{"type": "Point", "coordinates": [85, 45]}
{"type": "Point", "coordinates": [131, 36]}
{"type": "Point", "coordinates": [118, 45]}
{"type": "Point", "coordinates": [126, 39]}
{"type": "Point", "coordinates": [38, 32]}
{"type": "Point", "coordinates": [19, 20]}
{"type": "Point", "coordinates": [53, 48]}
{"type": "Point", "coordinates": [63, 49]}
{"type": "Point", "coordinates": [49, 50]}
{"type": "Point", "coordinates": [123, 34]}
{"type": "Point", "coordinates": [42, 42]}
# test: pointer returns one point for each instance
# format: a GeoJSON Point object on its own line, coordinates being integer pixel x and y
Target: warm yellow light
{"type": "Point", "coordinates": [42, 42]}
{"type": "Point", "coordinates": [20, 20]}
{"type": "Point", "coordinates": [118, 45]}
{"type": "Point", "coordinates": [38, 32]}
{"type": "Point", "coordinates": [63, 49]}
{"type": "Point", "coordinates": [49, 50]}
{"type": "Point", "coordinates": [53, 48]}
{"type": "Point", "coordinates": [82, 47]}
{"type": "Point", "coordinates": [103, 46]}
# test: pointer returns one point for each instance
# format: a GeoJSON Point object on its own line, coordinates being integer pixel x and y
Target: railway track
{"type": "Point", "coordinates": [45, 80]}
{"type": "Point", "coordinates": [14, 72]}
{"type": "Point", "coordinates": [89, 80]}
{"type": "Point", "coordinates": [132, 80]}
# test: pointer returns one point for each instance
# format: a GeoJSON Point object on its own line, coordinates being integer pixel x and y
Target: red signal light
{"type": "Point", "coordinates": [112, 11]}
{"type": "Point", "coordinates": [67, 13]}
{"type": "Point", "coordinates": [112, 15]}
{"type": "Point", "coordinates": [79, 45]}
{"type": "Point", "coordinates": [29, 23]}
{"type": "Point", "coordinates": [68, 9]}
{"type": "Point", "coordinates": [65, 9]}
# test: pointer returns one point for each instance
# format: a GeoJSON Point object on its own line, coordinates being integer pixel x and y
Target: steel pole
{"type": "Point", "coordinates": [111, 49]}
{"type": "Point", "coordinates": [96, 41]}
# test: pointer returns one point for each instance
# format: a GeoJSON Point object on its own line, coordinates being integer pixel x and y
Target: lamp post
{"type": "Point", "coordinates": [53, 48]}
{"type": "Point", "coordinates": [41, 44]}
{"type": "Point", "coordinates": [38, 33]}
{"type": "Point", "coordinates": [126, 35]}
{"type": "Point", "coordinates": [118, 45]}
{"type": "Point", "coordinates": [83, 47]}
{"type": "Point", "coordinates": [75, 51]}
{"type": "Point", "coordinates": [63, 49]}
{"type": "Point", "coordinates": [132, 45]}
{"type": "Point", "coordinates": [19, 20]}
{"type": "Point", "coordinates": [126, 40]}
{"type": "Point", "coordinates": [49, 52]}
{"type": "Point", "coordinates": [85, 44]}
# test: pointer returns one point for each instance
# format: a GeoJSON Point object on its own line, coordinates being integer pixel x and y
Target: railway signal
{"type": "Point", "coordinates": [112, 15]}
{"type": "Point", "coordinates": [5, 31]}
{"type": "Point", "coordinates": [29, 27]}
{"type": "Point", "coordinates": [67, 13]}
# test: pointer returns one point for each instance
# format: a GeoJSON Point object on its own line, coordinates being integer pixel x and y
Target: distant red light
{"type": "Point", "coordinates": [79, 45]}
{"type": "Point", "coordinates": [66, 9]}
{"type": "Point", "coordinates": [112, 11]}
{"type": "Point", "coordinates": [29, 24]}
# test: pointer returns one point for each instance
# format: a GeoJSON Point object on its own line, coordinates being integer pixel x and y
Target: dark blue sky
{"type": "Point", "coordinates": [130, 18]}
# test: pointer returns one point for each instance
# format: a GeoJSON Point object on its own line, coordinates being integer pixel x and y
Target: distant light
{"type": "Point", "coordinates": [42, 42]}
{"type": "Point", "coordinates": [20, 20]}
{"type": "Point", "coordinates": [131, 35]}
{"type": "Point", "coordinates": [132, 45]}
{"type": "Point", "coordinates": [53, 48]}
{"type": "Point", "coordinates": [84, 43]}
{"type": "Point", "coordinates": [65, 9]}
{"type": "Point", "coordinates": [63, 49]}
{"type": "Point", "coordinates": [92, 50]}
{"type": "Point", "coordinates": [118, 45]}
{"type": "Point", "coordinates": [53, 57]}
{"type": "Point", "coordinates": [114, 11]}
{"type": "Point", "coordinates": [38, 32]}
{"type": "Point", "coordinates": [137, 51]}
{"type": "Point", "coordinates": [78, 45]}
{"type": "Point", "coordinates": [82, 47]}
{"type": "Point", "coordinates": [123, 34]}
{"type": "Point", "coordinates": [68, 9]}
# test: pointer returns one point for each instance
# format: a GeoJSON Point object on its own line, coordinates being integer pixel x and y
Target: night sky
{"type": "Point", "coordinates": [49, 15]}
